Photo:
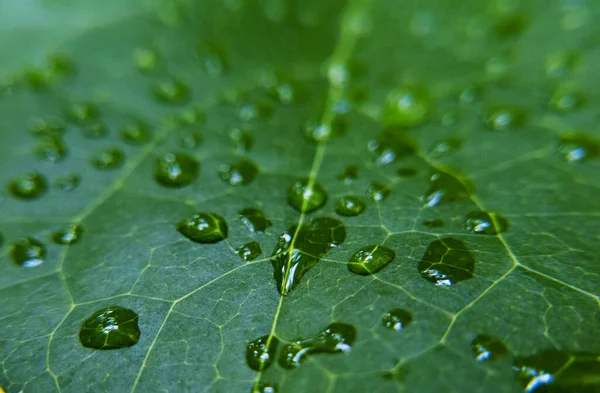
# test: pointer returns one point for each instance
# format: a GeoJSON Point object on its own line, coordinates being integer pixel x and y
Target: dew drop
{"type": "Point", "coordinates": [241, 139]}
{"type": "Point", "coordinates": [435, 223]}
{"type": "Point", "coordinates": [370, 259]}
{"type": "Point", "coordinates": [349, 206]}
{"type": "Point", "coordinates": [283, 92]}
{"type": "Point", "coordinates": [67, 182]}
{"type": "Point", "coordinates": [406, 107]}
{"type": "Point", "coordinates": [110, 328]}
{"type": "Point", "coordinates": [337, 337]}
{"type": "Point", "coordinates": [70, 235]}
{"type": "Point", "coordinates": [397, 319]}
{"type": "Point", "coordinates": [146, 60]}
{"type": "Point", "coordinates": [108, 159]}
{"type": "Point", "coordinates": [175, 170]}
{"type": "Point", "coordinates": [316, 132]}
{"type": "Point", "coordinates": [392, 145]}
{"type": "Point", "coordinates": [254, 219]}
{"type": "Point", "coordinates": [504, 118]}
{"type": "Point", "coordinates": [51, 149]}
{"type": "Point", "coordinates": [485, 223]}
{"type": "Point", "coordinates": [378, 192]}
{"type": "Point", "coordinates": [264, 388]}
{"type": "Point", "coordinates": [204, 228]}
{"type": "Point", "coordinates": [446, 262]}
{"type": "Point", "coordinates": [214, 58]}
{"type": "Point", "coordinates": [260, 353]}
{"type": "Point", "coordinates": [445, 147]}
{"type": "Point", "coordinates": [566, 99]}
{"type": "Point", "coordinates": [578, 147]}
{"type": "Point", "coordinates": [29, 185]}
{"type": "Point", "coordinates": [28, 252]}
{"type": "Point", "coordinates": [443, 188]}
{"type": "Point", "coordinates": [249, 251]}
{"type": "Point", "coordinates": [303, 197]}
{"type": "Point", "coordinates": [406, 172]}
{"type": "Point", "coordinates": [136, 133]}
{"type": "Point", "coordinates": [240, 173]}
{"type": "Point", "coordinates": [488, 348]}
{"type": "Point", "coordinates": [349, 174]}
{"type": "Point", "coordinates": [172, 91]}
{"type": "Point", "coordinates": [191, 139]}
{"type": "Point", "coordinates": [83, 112]}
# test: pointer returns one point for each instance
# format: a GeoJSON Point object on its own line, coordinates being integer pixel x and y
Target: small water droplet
{"type": "Point", "coordinates": [191, 139]}
{"type": "Point", "coordinates": [51, 149]}
{"type": "Point", "coordinates": [214, 58]}
{"type": "Point", "coordinates": [146, 60]}
{"type": "Point", "coordinates": [29, 185]}
{"type": "Point", "coordinates": [136, 133]}
{"type": "Point", "coordinates": [397, 319]}
{"type": "Point", "coordinates": [110, 328]}
{"type": "Point", "coordinates": [337, 337]}
{"type": "Point", "coordinates": [436, 223]}
{"type": "Point", "coordinates": [406, 107]}
{"type": "Point", "coordinates": [264, 388]}
{"type": "Point", "coordinates": [406, 172]}
{"type": "Point", "coordinates": [240, 173]}
{"type": "Point", "coordinates": [350, 206]}
{"type": "Point", "coordinates": [28, 252]}
{"type": "Point", "coordinates": [446, 262]}
{"type": "Point", "coordinates": [299, 249]}
{"type": "Point", "coordinates": [303, 197]}
{"type": "Point", "coordinates": [94, 130]}
{"type": "Point", "coordinates": [485, 223]}
{"type": "Point", "coordinates": [241, 139]}
{"type": "Point", "coordinates": [378, 192]}
{"type": "Point", "coordinates": [70, 235]}
{"type": "Point", "coordinates": [488, 348]}
{"type": "Point", "coordinates": [254, 219]}
{"type": "Point", "coordinates": [175, 170]}
{"type": "Point", "coordinates": [559, 64]}
{"type": "Point", "coordinates": [392, 145]}
{"type": "Point", "coordinates": [470, 94]}
{"type": "Point", "coordinates": [173, 91]}
{"type": "Point", "coordinates": [578, 147]}
{"type": "Point", "coordinates": [249, 251]}
{"type": "Point", "coordinates": [504, 118]}
{"type": "Point", "coordinates": [108, 159]}
{"type": "Point", "coordinates": [445, 147]}
{"type": "Point", "coordinates": [258, 109]}
{"type": "Point", "coordinates": [83, 112]}
{"type": "Point", "coordinates": [283, 92]}
{"type": "Point", "coordinates": [349, 174]}
{"type": "Point", "coordinates": [370, 259]}
{"type": "Point", "coordinates": [316, 132]}
{"type": "Point", "coordinates": [48, 127]}
{"type": "Point", "coordinates": [566, 99]}
{"type": "Point", "coordinates": [204, 228]}
{"type": "Point", "coordinates": [443, 188]}
{"type": "Point", "coordinates": [67, 182]}
{"type": "Point", "coordinates": [260, 353]}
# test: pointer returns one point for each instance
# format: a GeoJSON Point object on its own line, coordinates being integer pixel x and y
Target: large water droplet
{"type": "Point", "coordinates": [392, 145]}
{"type": "Point", "coordinates": [51, 149]}
{"type": "Point", "coordinates": [443, 188]}
{"type": "Point", "coordinates": [204, 228]}
{"type": "Point", "coordinates": [304, 198]}
{"type": "Point", "coordinates": [260, 353]}
{"type": "Point", "coordinates": [337, 337]}
{"type": "Point", "coordinates": [67, 182]}
{"type": "Point", "coordinates": [485, 223]}
{"type": "Point", "coordinates": [406, 107]}
{"type": "Point", "coordinates": [175, 169]}
{"type": "Point", "coordinates": [136, 133]}
{"type": "Point", "coordinates": [28, 252]}
{"type": "Point", "coordinates": [504, 118]}
{"type": "Point", "coordinates": [578, 147]}
{"type": "Point", "coordinates": [240, 173]}
{"type": "Point", "coordinates": [566, 99]}
{"type": "Point", "coordinates": [378, 192]}
{"type": "Point", "coordinates": [110, 328]}
{"type": "Point", "coordinates": [68, 236]}
{"type": "Point", "coordinates": [349, 174]}
{"type": "Point", "coordinates": [350, 206]}
{"type": "Point", "coordinates": [299, 249]}
{"type": "Point", "coordinates": [488, 348]}
{"type": "Point", "coordinates": [254, 219]}
{"type": "Point", "coordinates": [83, 112]}
{"type": "Point", "coordinates": [370, 260]}
{"type": "Point", "coordinates": [108, 159]}
{"type": "Point", "coordinates": [172, 91]}
{"type": "Point", "coordinates": [30, 185]}
{"type": "Point", "coordinates": [446, 262]}
{"type": "Point", "coordinates": [397, 319]}
{"type": "Point", "coordinates": [249, 251]}
{"type": "Point", "coordinates": [435, 223]}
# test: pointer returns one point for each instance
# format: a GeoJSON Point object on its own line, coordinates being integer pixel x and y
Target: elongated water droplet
{"type": "Point", "coordinates": [136, 133]}
{"type": "Point", "coordinates": [240, 173]}
{"type": "Point", "coordinates": [173, 92]}
{"type": "Point", "coordinates": [51, 149]}
{"type": "Point", "coordinates": [110, 328]}
{"type": "Point", "coordinates": [260, 353]}
{"type": "Point", "coordinates": [488, 348]}
{"type": "Point", "coordinates": [29, 185]}
{"type": "Point", "coordinates": [68, 236]}
{"type": "Point", "coordinates": [397, 319]}
{"type": "Point", "coordinates": [249, 251]}
{"type": "Point", "coordinates": [435, 223]}
{"type": "Point", "coordinates": [392, 145]}
{"type": "Point", "coordinates": [504, 118]}
{"type": "Point", "coordinates": [299, 249]}
{"type": "Point", "coordinates": [204, 228]}
{"type": "Point", "coordinates": [349, 174]}
{"type": "Point", "coordinates": [578, 147]}
{"type": "Point", "coordinates": [175, 170]}
{"type": "Point", "coordinates": [485, 223]}
{"type": "Point", "coordinates": [406, 107]}
{"type": "Point", "coordinates": [67, 182]}
{"type": "Point", "coordinates": [108, 159]}
{"type": "Point", "coordinates": [337, 337]}
{"type": "Point", "coordinates": [446, 262]}
{"type": "Point", "coordinates": [254, 219]}
{"type": "Point", "coordinates": [83, 112]}
{"type": "Point", "coordinates": [241, 139]}
{"type": "Point", "coordinates": [566, 99]}
{"type": "Point", "coordinates": [28, 252]}
{"type": "Point", "coordinates": [378, 192]}
{"type": "Point", "coordinates": [350, 206]}
{"type": "Point", "coordinates": [443, 188]}
{"type": "Point", "coordinates": [304, 198]}
{"type": "Point", "coordinates": [146, 60]}
{"type": "Point", "coordinates": [370, 260]}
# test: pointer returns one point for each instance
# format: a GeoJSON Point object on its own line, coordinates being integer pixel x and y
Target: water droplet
{"type": "Point", "coordinates": [28, 252]}
{"type": "Point", "coordinates": [406, 107]}
{"type": "Point", "coordinates": [566, 99]}
{"type": "Point", "coordinates": [485, 223]}
{"type": "Point", "coordinates": [83, 112]}
{"type": "Point", "coordinates": [370, 260]}
{"type": "Point", "coordinates": [146, 60]}
{"type": "Point", "coordinates": [249, 251]}
{"type": "Point", "coordinates": [316, 132]}
{"type": "Point", "coordinates": [446, 262]}
{"type": "Point", "coordinates": [350, 206]}
{"type": "Point", "coordinates": [241, 139]}
{"type": "Point", "coordinates": [110, 328]}
{"type": "Point", "coordinates": [260, 353]}
{"type": "Point", "coordinates": [378, 192]}
{"type": "Point", "coordinates": [264, 388]}
{"type": "Point", "coordinates": [240, 173]}
{"type": "Point", "coordinates": [67, 182]}
{"type": "Point", "coordinates": [49, 127]}
{"type": "Point", "coordinates": [304, 198]}
{"type": "Point", "coordinates": [470, 94]}
{"type": "Point", "coordinates": [214, 58]}
{"type": "Point", "coordinates": [559, 64]}
{"type": "Point", "coordinates": [299, 249]}
{"type": "Point", "coordinates": [445, 147]}
{"type": "Point", "coordinates": [392, 145]}
{"type": "Point", "coordinates": [488, 348]}
{"type": "Point", "coordinates": [95, 130]}
{"type": "Point", "coordinates": [443, 188]}
{"type": "Point", "coordinates": [283, 92]}
{"type": "Point", "coordinates": [108, 159]}
{"type": "Point", "coordinates": [349, 174]}
{"type": "Point", "coordinates": [397, 319]}
{"type": "Point", "coordinates": [191, 139]}
{"type": "Point", "coordinates": [406, 172]}
{"type": "Point", "coordinates": [172, 92]}
{"type": "Point", "coordinates": [254, 219]}
{"type": "Point", "coordinates": [193, 116]}
{"type": "Point", "coordinates": [337, 337]}
{"type": "Point", "coordinates": [175, 169]}
{"type": "Point", "coordinates": [51, 149]}
{"type": "Point", "coordinates": [30, 185]}
{"type": "Point", "coordinates": [504, 118]}
{"type": "Point", "coordinates": [259, 109]}
{"type": "Point", "coordinates": [70, 235]}
{"type": "Point", "coordinates": [578, 147]}
{"type": "Point", "coordinates": [436, 223]}
{"type": "Point", "coordinates": [136, 133]}
{"type": "Point", "coordinates": [204, 228]}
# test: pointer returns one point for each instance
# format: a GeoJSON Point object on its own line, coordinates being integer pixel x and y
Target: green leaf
{"type": "Point", "coordinates": [460, 137]}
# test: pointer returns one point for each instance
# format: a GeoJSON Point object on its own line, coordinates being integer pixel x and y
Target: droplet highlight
{"type": "Point", "coordinates": [349, 175]}
{"type": "Point", "coordinates": [397, 319]}
{"type": "Point", "coordinates": [378, 191]}
{"type": "Point", "coordinates": [110, 328]}
{"type": "Point", "coordinates": [304, 197]}
{"type": "Point", "coordinates": [261, 352]}
{"type": "Point", "coordinates": [446, 262]}
{"type": "Point", "coordinates": [443, 188]}
{"type": "Point", "coordinates": [69, 235]}
{"type": "Point", "coordinates": [485, 223]}
{"type": "Point", "coordinates": [406, 107]}
{"type": "Point", "coordinates": [249, 251]}
{"type": "Point", "coordinates": [204, 228]}
{"type": "Point", "coordinates": [28, 252]}
{"type": "Point", "coordinates": [28, 186]}
{"type": "Point", "coordinates": [370, 259]}
{"type": "Point", "coordinates": [350, 206]}
{"type": "Point", "coordinates": [239, 173]}
{"type": "Point", "coordinates": [254, 219]}
{"type": "Point", "coordinates": [175, 170]}
{"type": "Point", "coordinates": [487, 348]}
{"type": "Point", "coordinates": [578, 147]}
